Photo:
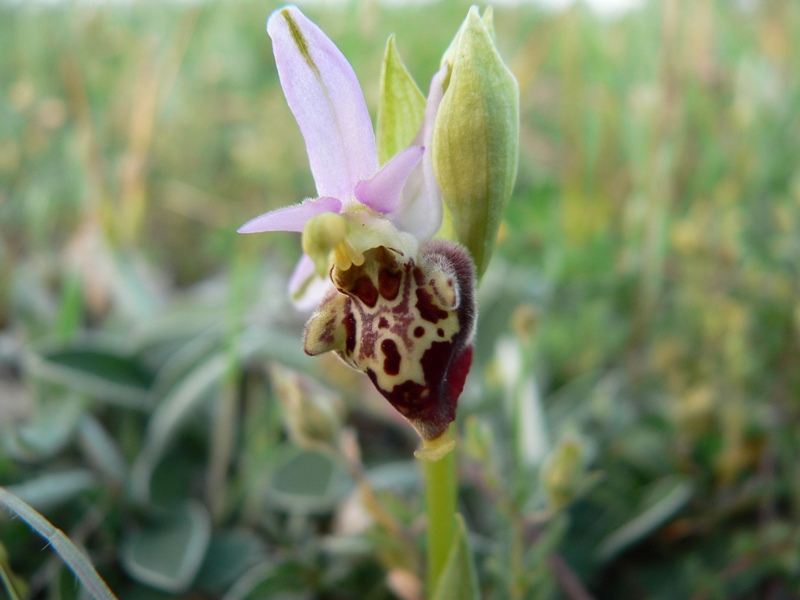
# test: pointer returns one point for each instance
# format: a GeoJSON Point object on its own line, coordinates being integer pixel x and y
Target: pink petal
{"type": "Point", "coordinates": [291, 218]}
{"type": "Point", "coordinates": [323, 93]}
{"type": "Point", "coordinates": [306, 288]}
{"type": "Point", "coordinates": [382, 191]}
{"type": "Point", "coordinates": [420, 209]}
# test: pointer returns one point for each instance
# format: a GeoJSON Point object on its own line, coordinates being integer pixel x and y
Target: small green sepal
{"type": "Point", "coordinates": [401, 105]}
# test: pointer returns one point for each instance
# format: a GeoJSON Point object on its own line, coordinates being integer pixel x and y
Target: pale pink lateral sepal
{"type": "Point", "coordinates": [291, 218]}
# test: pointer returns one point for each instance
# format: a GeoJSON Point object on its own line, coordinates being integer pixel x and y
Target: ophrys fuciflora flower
{"type": "Point", "coordinates": [391, 301]}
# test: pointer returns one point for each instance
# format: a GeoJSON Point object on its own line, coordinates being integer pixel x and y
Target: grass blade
{"type": "Point", "coordinates": [8, 585]}
{"type": "Point", "coordinates": [74, 558]}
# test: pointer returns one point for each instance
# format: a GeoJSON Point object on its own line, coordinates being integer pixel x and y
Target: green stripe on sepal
{"type": "Point", "coordinates": [401, 106]}
{"type": "Point", "coordinates": [300, 42]}
{"type": "Point", "coordinates": [476, 137]}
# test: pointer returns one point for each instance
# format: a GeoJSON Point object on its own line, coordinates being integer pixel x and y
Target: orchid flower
{"type": "Point", "coordinates": [359, 205]}
{"type": "Point", "coordinates": [393, 303]}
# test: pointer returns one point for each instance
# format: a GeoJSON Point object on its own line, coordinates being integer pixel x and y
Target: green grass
{"type": "Point", "coordinates": [646, 283]}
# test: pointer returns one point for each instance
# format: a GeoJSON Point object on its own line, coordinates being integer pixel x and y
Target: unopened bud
{"type": "Point", "coordinates": [524, 321]}
{"type": "Point", "coordinates": [476, 137]}
{"type": "Point", "coordinates": [313, 414]}
{"type": "Point", "coordinates": [563, 474]}
{"type": "Point", "coordinates": [478, 440]}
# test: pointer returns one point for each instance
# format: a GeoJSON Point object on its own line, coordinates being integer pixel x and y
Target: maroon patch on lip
{"type": "Point", "coordinates": [440, 332]}
{"type": "Point", "coordinates": [435, 363]}
{"type": "Point", "coordinates": [365, 290]}
{"type": "Point", "coordinates": [401, 309]}
{"type": "Point", "coordinates": [389, 283]}
{"type": "Point", "coordinates": [419, 276]}
{"type": "Point", "coordinates": [327, 335]}
{"type": "Point", "coordinates": [391, 364]}
{"type": "Point", "coordinates": [405, 397]}
{"type": "Point", "coordinates": [349, 323]}
{"type": "Point", "coordinates": [419, 332]}
{"type": "Point", "coordinates": [431, 406]}
{"type": "Point", "coordinates": [383, 323]}
{"type": "Point", "coordinates": [457, 376]}
{"type": "Point", "coordinates": [427, 309]}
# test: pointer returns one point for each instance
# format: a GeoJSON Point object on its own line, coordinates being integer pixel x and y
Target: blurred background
{"type": "Point", "coordinates": [630, 424]}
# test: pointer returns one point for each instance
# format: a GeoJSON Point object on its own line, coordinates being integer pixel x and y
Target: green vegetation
{"type": "Point", "coordinates": [629, 429]}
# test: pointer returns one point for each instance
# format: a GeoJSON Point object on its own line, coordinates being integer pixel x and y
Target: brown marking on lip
{"type": "Point", "coordinates": [366, 334]}
{"type": "Point", "coordinates": [427, 309]}
{"type": "Point", "coordinates": [365, 290]}
{"type": "Point", "coordinates": [419, 276]}
{"type": "Point", "coordinates": [402, 306]}
{"type": "Point", "coordinates": [435, 362]}
{"type": "Point", "coordinates": [389, 283]}
{"type": "Point", "coordinates": [391, 364]}
{"type": "Point", "coordinates": [432, 406]}
{"type": "Point", "coordinates": [419, 331]}
{"type": "Point", "coordinates": [327, 335]}
{"type": "Point", "coordinates": [440, 332]}
{"type": "Point", "coordinates": [383, 323]}
{"type": "Point", "coordinates": [405, 397]}
{"type": "Point", "coordinates": [349, 323]}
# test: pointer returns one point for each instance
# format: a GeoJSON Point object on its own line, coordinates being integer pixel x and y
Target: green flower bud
{"type": "Point", "coordinates": [313, 414]}
{"type": "Point", "coordinates": [478, 440]}
{"type": "Point", "coordinates": [564, 473]}
{"type": "Point", "coordinates": [476, 137]}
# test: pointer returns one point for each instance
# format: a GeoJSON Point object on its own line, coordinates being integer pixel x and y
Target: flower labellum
{"type": "Point", "coordinates": [392, 303]}
{"type": "Point", "coordinates": [408, 324]}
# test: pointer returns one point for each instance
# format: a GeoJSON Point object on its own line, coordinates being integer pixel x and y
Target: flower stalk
{"type": "Point", "coordinates": [441, 493]}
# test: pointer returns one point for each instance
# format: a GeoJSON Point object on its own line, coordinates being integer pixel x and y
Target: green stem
{"type": "Point", "coordinates": [226, 415]}
{"type": "Point", "coordinates": [440, 499]}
